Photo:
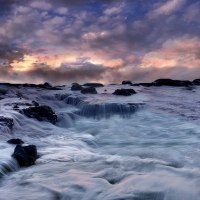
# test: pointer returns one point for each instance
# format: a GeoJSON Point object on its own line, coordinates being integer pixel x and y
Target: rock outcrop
{"type": "Point", "coordinates": [89, 90]}
{"type": "Point", "coordinates": [124, 92]}
{"type": "Point", "coordinates": [25, 155]}
{"type": "Point", "coordinates": [41, 113]}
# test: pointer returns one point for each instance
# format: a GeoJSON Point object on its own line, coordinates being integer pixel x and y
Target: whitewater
{"type": "Point", "coordinates": [104, 147]}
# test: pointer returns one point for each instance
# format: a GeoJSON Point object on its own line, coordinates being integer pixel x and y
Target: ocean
{"type": "Point", "coordinates": [104, 147]}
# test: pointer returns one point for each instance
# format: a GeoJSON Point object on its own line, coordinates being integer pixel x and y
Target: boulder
{"type": "Point", "coordinates": [6, 122]}
{"type": "Point", "coordinates": [47, 85]}
{"type": "Point", "coordinates": [93, 85]}
{"type": "Point", "coordinates": [15, 141]}
{"type": "Point", "coordinates": [127, 82]}
{"type": "Point", "coordinates": [196, 82]}
{"type": "Point", "coordinates": [26, 155]}
{"type": "Point", "coordinates": [89, 90]}
{"type": "Point", "coordinates": [35, 103]}
{"type": "Point", "coordinates": [76, 87]}
{"type": "Point", "coordinates": [124, 92]}
{"type": "Point", "coordinates": [40, 113]}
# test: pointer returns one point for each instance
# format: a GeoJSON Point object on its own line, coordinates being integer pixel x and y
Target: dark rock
{"type": "Point", "coordinates": [124, 92]}
{"type": "Point", "coordinates": [25, 155]}
{"type": "Point", "coordinates": [6, 122]}
{"type": "Point", "coordinates": [74, 84]}
{"type": "Point", "coordinates": [126, 82]}
{"type": "Point", "coordinates": [15, 141]}
{"type": "Point", "coordinates": [89, 90]}
{"type": "Point", "coordinates": [93, 85]}
{"type": "Point", "coordinates": [170, 82]}
{"type": "Point", "coordinates": [135, 84]}
{"type": "Point", "coordinates": [2, 91]}
{"type": "Point", "coordinates": [196, 82]}
{"type": "Point", "coordinates": [76, 87]}
{"type": "Point", "coordinates": [40, 113]}
{"type": "Point", "coordinates": [47, 85]}
{"type": "Point", "coordinates": [35, 103]}
{"type": "Point", "coordinates": [146, 84]}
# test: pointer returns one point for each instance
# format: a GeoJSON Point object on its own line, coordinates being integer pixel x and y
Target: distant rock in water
{"type": "Point", "coordinates": [46, 84]}
{"type": "Point", "coordinates": [127, 82]}
{"type": "Point", "coordinates": [40, 113]}
{"type": "Point", "coordinates": [93, 84]}
{"type": "Point", "coordinates": [124, 92]}
{"type": "Point", "coordinates": [25, 155]}
{"type": "Point", "coordinates": [170, 82]}
{"type": "Point", "coordinates": [196, 82]}
{"type": "Point", "coordinates": [6, 122]}
{"type": "Point", "coordinates": [89, 90]}
{"type": "Point", "coordinates": [146, 84]}
{"type": "Point", "coordinates": [35, 103]}
{"type": "Point", "coordinates": [76, 87]}
{"type": "Point", "coordinates": [15, 141]}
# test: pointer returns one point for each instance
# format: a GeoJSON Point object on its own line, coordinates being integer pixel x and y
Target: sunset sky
{"type": "Point", "coordinates": [108, 41]}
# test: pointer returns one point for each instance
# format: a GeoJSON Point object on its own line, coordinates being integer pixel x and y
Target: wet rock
{"type": "Point", "coordinates": [15, 141]}
{"type": "Point", "coordinates": [26, 155]}
{"type": "Point", "coordinates": [124, 92]}
{"type": "Point", "coordinates": [3, 91]}
{"type": "Point", "coordinates": [40, 113]}
{"type": "Point", "coordinates": [35, 103]}
{"type": "Point", "coordinates": [196, 82]}
{"type": "Point", "coordinates": [146, 84]}
{"type": "Point", "coordinates": [76, 87]}
{"type": "Point", "coordinates": [93, 85]}
{"type": "Point", "coordinates": [47, 85]}
{"type": "Point", "coordinates": [89, 90]}
{"type": "Point", "coordinates": [170, 82]}
{"type": "Point", "coordinates": [127, 82]}
{"type": "Point", "coordinates": [6, 122]}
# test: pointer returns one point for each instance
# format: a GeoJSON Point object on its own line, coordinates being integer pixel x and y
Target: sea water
{"type": "Point", "coordinates": [105, 147]}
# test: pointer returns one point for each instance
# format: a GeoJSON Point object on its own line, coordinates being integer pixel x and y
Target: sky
{"type": "Point", "coordinates": [107, 41]}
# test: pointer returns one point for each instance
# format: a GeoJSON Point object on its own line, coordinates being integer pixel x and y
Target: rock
{"type": "Point", "coordinates": [93, 85]}
{"type": "Point", "coordinates": [2, 91]}
{"type": "Point", "coordinates": [76, 87]}
{"type": "Point", "coordinates": [35, 103]}
{"type": "Point", "coordinates": [15, 141]}
{"type": "Point", "coordinates": [124, 92]}
{"type": "Point", "coordinates": [135, 84]}
{"type": "Point", "coordinates": [89, 90]}
{"type": "Point", "coordinates": [47, 85]}
{"type": "Point", "coordinates": [40, 113]}
{"type": "Point", "coordinates": [6, 122]}
{"type": "Point", "coordinates": [196, 82]}
{"type": "Point", "coordinates": [74, 84]}
{"type": "Point", "coordinates": [146, 84]}
{"type": "Point", "coordinates": [126, 82]}
{"type": "Point", "coordinates": [170, 82]}
{"type": "Point", "coordinates": [25, 155]}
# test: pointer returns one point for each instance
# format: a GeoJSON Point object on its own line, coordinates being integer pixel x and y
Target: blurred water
{"type": "Point", "coordinates": [151, 152]}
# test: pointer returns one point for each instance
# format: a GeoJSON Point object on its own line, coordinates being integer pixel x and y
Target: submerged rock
{"type": "Point", "coordinates": [124, 92]}
{"type": "Point", "coordinates": [40, 113]}
{"type": "Point", "coordinates": [25, 155]}
{"type": "Point", "coordinates": [6, 122]}
{"type": "Point", "coordinates": [15, 141]}
{"type": "Point", "coordinates": [89, 90]}
{"type": "Point", "coordinates": [93, 84]}
{"type": "Point", "coordinates": [126, 82]}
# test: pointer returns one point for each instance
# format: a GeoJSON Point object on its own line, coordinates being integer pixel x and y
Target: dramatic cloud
{"type": "Point", "coordinates": [105, 41]}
